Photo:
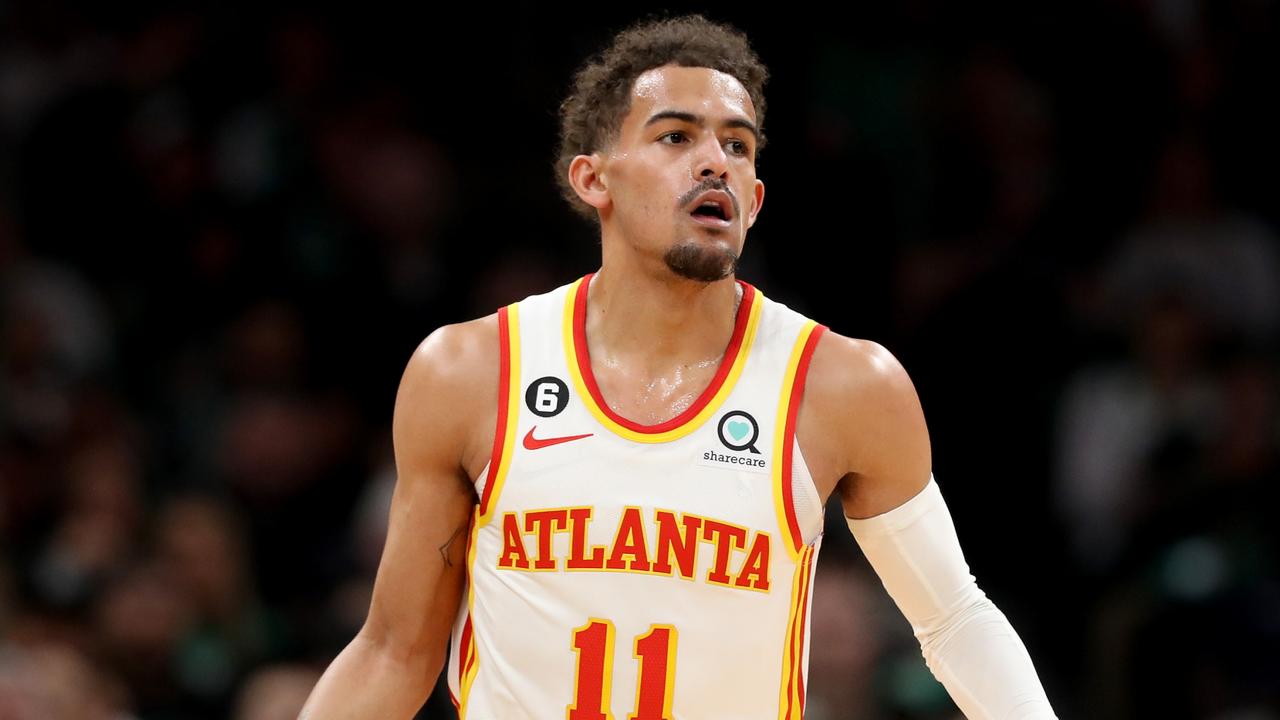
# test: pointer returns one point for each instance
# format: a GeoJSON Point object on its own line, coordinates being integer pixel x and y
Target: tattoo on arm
{"type": "Point", "coordinates": [444, 549]}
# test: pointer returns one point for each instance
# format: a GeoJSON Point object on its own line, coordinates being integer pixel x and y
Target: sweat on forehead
{"type": "Point", "coordinates": [656, 80]}
{"type": "Point", "coordinates": [696, 95]}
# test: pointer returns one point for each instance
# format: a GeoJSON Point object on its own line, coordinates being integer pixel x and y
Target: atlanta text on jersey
{"type": "Point", "coordinates": [740, 560]}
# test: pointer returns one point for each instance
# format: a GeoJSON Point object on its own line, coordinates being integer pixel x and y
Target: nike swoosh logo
{"type": "Point", "coordinates": [533, 443]}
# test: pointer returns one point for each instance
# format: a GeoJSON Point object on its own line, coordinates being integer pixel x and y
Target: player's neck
{"type": "Point", "coordinates": [658, 320]}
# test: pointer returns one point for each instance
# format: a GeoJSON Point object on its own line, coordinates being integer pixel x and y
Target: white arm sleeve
{"type": "Point", "coordinates": [966, 641]}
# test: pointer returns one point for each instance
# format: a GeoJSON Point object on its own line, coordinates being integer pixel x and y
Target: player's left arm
{"type": "Point", "coordinates": [862, 425]}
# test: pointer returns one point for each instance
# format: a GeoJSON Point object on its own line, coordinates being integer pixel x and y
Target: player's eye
{"type": "Point", "coordinates": [680, 137]}
{"type": "Point", "coordinates": [738, 147]}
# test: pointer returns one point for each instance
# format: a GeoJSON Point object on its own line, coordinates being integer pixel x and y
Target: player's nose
{"type": "Point", "coordinates": [712, 160]}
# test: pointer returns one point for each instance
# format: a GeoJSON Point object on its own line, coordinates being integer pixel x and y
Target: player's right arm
{"type": "Point", "coordinates": [442, 431]}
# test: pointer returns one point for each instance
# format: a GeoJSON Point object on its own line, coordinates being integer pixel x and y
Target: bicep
{"type": "Point", "coordinates": [870, 411]}
{"type": "Point", "coordinates": [422, 571]}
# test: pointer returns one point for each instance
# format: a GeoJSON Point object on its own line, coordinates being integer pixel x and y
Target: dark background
{"type": "Point", "coordinates": [224, 228]}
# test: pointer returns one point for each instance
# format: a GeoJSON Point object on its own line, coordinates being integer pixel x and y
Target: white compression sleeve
{"type": "Point", "coordinates": [966, 641]}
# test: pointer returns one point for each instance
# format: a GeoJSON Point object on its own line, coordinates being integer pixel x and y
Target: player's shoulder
{"type": "Point", "coordinates": [456, 366]}
{"type": "Point", "coordinates": [860, 411]}
{"type": "Point", "coordinates": [849, 373]}
{"type": "Point", "coordinates": [457, 355]}
{"type": "Point", "coordinates": [448, 395]}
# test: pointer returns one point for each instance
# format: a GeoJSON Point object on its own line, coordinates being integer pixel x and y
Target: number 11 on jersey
{"type": "Point", "coordinates": [656, 651]}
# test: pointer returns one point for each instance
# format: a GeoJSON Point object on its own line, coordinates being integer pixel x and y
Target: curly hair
{"type": "Point", "coordinates": [600, 97]}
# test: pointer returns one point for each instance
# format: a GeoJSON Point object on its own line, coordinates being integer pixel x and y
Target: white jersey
{"type": "Point", "coordinates": [622, 571]}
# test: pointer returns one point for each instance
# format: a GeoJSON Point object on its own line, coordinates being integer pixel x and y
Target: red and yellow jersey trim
{"type": "Point", "coordinates": [579, 362]}
{"type": "Point", "coordinates": [791, 690]}
{"type": "Point", "coordinates": [785, 434]}
{"type": "Point", "coordinates": [467, 665]}
{"type": "Point", "coordinates": [469, 655]}
{"type": "Point", "coordinates": [508, 409]}
{"type": "Point", "coordinates": [504, 438]}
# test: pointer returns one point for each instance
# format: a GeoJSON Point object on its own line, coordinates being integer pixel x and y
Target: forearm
{"type": "Point", "coordinates": [984, 666]}
{"type": "Point", "coordinates": [966, 641]}
{"type": "Point", "coordinates": [370, 680]}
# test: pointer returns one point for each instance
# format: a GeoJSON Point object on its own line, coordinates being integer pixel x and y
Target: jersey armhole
{"type": "Point", "coordinates": [785, 450]}
{"type": "Point", "coordinates": [491, 478]}
{"type": "Point", "coordinates": [810, 513]}
{"type": "Point", "coordinates": [482, 479]}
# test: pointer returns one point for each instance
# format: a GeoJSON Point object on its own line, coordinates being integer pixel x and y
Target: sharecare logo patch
{"type": "Point", "coordinates": [738, 433]}
{"type": "Point", "coordinates": [730, 460]}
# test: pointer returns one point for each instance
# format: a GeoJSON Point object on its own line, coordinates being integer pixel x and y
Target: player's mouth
{"type": "Point", "coordinates": [713, 208]}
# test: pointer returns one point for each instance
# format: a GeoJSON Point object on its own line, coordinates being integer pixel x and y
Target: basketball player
{"type": "Point", "coordinates": [611, 496]}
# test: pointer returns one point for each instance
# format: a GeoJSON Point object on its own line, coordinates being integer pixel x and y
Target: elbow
{"type": "Point", "coordinates": [415, 656]}
{"type": "Point", "coordinates": [974, 608]}
{"type": "Point", "coordinates": [984, 666]}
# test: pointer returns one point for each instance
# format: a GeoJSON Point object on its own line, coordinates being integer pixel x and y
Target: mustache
{"type": "Point", "coordinates": [712, 183]}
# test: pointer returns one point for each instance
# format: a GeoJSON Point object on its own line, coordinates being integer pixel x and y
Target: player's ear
{"type": "Point", "coordinates": [588, 180]}
{"type": "Point", "coordinates": [757, 201]}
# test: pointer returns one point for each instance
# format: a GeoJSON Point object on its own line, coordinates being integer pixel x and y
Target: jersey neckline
{"type": "Point", "coordinates": [579, 361]}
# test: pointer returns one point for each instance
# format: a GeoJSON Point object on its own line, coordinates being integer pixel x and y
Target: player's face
{"type": "Point", "coordinates": [682, 175]}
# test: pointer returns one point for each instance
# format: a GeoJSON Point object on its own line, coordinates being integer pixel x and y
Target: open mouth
{"type": "Point", "coordinates": [710, 210]}
{"type": "Point", "coordinates": [714, 208]}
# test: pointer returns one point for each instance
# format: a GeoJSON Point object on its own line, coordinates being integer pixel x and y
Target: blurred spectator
{"type": "Point", "coordinates": [1113, 420]}
{"type": "Point", "coordinates": [101, 524]}
{"type": "Point", "coordinates": [855, 619]}
{"type": "Point", "coordinates": [276, 692]}
{"type": "Point", "coordinates": [1221, 261]}
{"type": "Point", "coordinates": [204, 550]}
{"type": "Point", "coordinates": [139, 622]}
{"type": "Point", "coordinates": [54, 682]}
{"type": "Point", "coordinates": [55, 335]}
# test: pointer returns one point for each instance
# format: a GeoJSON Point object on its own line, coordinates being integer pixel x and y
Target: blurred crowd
{"type": "Point", "coordinates": [224, 229]}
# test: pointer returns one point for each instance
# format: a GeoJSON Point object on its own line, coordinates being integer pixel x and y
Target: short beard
{"type": "Point", "coordinates": [703, 263]}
